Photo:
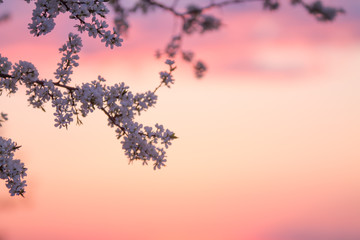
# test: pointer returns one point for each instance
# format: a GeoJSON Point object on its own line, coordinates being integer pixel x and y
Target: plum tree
{"type": "Point", "coordinates": [117, 102]}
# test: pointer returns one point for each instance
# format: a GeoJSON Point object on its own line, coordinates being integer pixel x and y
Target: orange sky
{"type": "Point", "coordinates": [268, 144]}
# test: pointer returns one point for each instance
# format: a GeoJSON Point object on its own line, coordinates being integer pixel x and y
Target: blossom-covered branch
{"type": "Point", "coordinates": [197, 19]}
{"type": "Point", "coordinates": [118, 103]}
{"type": "Point", "coordinates": [12, 170]}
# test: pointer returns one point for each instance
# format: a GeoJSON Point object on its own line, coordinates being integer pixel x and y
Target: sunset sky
{"type": "Point", "coordinates": [268, 145]}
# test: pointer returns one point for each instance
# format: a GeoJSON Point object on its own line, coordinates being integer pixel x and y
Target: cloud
{"type": "Point", "coordinates": [276, 60]}
{"type": "Point", "coordinates": [309, 234]}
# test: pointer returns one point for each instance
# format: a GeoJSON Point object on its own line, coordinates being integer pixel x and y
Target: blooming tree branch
{"type": "Point", "coordinates": [117, 102]}
{"type": "Point", "coordinates": [197, 19]}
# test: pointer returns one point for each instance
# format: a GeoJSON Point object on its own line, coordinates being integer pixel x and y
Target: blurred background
{"type": "Point", "coordinates": [268, 144]}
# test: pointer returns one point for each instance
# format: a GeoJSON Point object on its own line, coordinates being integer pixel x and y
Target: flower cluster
{"type": "Point", "coordinates": [174, 47]}
{"type": "Point", "coordinates": [321, 12]}
{"type": "Point", "coordinates": [200, 69]}
{"type": "Point", "coordinates": [196, 21]}
{"type": "Point", "coordinates": [11, 170]}
{"type": "Point", "coordinates": [45, 12]}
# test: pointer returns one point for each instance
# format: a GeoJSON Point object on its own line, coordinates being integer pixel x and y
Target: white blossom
{"type": "Point", "coordinates": [169, 62]}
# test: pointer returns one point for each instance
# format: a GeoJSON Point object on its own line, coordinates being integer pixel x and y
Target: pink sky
{"type": "Point", "coordinates": [268, 144]}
